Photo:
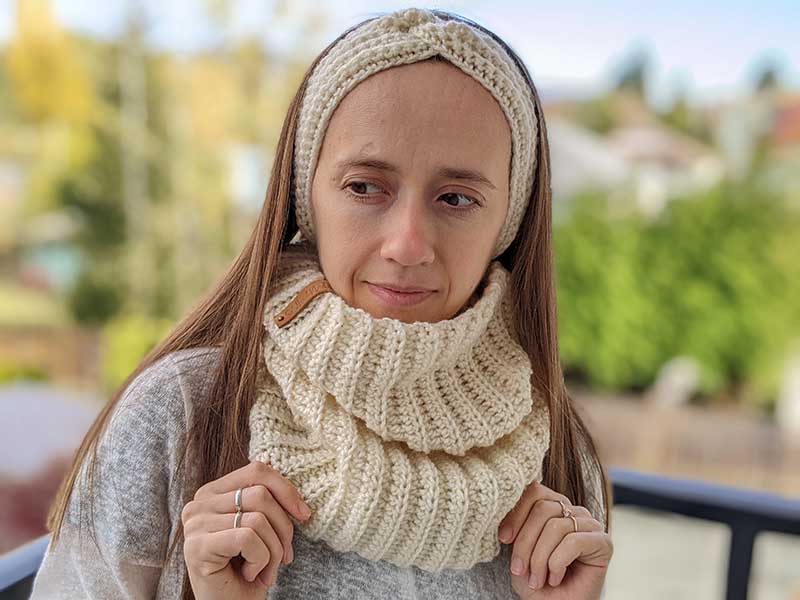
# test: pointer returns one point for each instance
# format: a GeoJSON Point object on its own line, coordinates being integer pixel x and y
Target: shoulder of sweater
{"type": "Point", "coordinates": [163, 391]}
{"type": "Point", "coordinates": [135, 485]}
{"type": "Point", "coordinates": [148, 425]}
{"type": "Point", "coordinates": [150, 417]}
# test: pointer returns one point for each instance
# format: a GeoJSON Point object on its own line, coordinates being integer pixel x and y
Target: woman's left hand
{"type": "Point", "coordinates": [563, 564]}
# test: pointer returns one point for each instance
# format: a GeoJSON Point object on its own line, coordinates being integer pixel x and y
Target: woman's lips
{"type": "Point", "coordinates": [395, 298]}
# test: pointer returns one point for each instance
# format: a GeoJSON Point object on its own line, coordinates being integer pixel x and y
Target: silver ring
{"type": "Point", "coordinates": [237, 499]}
{"type": "Point", "coordinates": [237, 519]}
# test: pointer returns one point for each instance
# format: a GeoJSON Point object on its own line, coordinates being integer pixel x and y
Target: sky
{"type": "Point", "coordinates": [711, 49]}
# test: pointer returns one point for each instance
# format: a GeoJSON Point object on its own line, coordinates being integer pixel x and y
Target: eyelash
{"type": "Point", "coordinates": [464, 209]}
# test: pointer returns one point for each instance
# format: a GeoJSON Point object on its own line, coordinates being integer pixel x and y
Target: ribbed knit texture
{"type": "Point", "coordinates": [410, 441]}
{"type": "Point", "coordinates": [403, 37]}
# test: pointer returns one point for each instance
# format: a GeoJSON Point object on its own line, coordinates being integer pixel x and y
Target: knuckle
{"type": "Point", "coordinates": [594, 524]}
{"type": "Point", "coordinates": [570, 539]}
{"type": "Point", "coordinates": [242, 535]}
{"type": "Point", "coordinates": [259, 520]}
{"type": "Point", "coordinates": [248, 521]}
{"type": "Point", "coordinates": [261, 467]}
{"type": "Point", "coordinates": [262, 496]}
{"type": "Point", "coordinates": [543, 507]}
{"type": "Point", "coordinates": [249, 535]}
{"type": "Point", "coordinates": [202, 491]}
{"type": "Point", "coordinates": [186, 512]}
{"type": "Point", "coordinates": [553, 525]}
{"type": "Point", "coordinates": [538, 504]}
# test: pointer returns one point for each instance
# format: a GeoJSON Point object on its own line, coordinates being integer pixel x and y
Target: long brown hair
{"type": "Point", "coordinates": [224, 318]}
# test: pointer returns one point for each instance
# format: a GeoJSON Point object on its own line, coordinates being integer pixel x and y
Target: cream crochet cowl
{"type": "Point", "coordinates": [409, 441]}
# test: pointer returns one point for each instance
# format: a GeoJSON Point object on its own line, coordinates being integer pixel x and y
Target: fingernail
{"type": "Point", "coordinates": [517, 567]}
{"type": "Point", "coordinates": [505, 533]}
{"type": "Point", "coordinates": [303, 509]}
{"type": "Point", "coordinates": [264, 577]}
{"type": "Point", "coordinates": [532, 582]}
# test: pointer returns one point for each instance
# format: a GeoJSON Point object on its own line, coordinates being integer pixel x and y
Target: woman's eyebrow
{"type": "Point", "coordinates": [446, 172]}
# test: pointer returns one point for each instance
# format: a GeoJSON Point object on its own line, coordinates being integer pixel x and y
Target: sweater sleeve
{"type": "Point", "coordinates": [129, 502]}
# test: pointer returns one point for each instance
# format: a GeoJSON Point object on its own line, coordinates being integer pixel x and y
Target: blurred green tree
{"type": "Point", "coordinates": [714, 277]}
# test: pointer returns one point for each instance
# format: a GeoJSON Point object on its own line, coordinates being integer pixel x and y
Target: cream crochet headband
{"type": "Point", "coordinates": [404, 37]}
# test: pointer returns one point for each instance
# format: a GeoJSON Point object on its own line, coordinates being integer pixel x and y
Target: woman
{"type": "Point", "coordinates": [370, 403]}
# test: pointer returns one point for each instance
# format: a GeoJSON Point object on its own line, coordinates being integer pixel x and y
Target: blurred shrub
{"type": "Point", "coordinates": [95, 297]}
{"type": "Point", "coordinates": [125, 341]}
{"type": "Point", "coordinates": [715, 277]}
{"type": "Point", "coordinates": [13, 370]}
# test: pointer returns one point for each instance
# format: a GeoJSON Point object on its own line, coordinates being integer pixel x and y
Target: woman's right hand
{"type": "Point", "coordinates": [264, 538]}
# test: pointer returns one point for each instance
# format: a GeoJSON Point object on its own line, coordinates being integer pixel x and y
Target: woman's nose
{"type": "Point", "coordinates": [408, 234]}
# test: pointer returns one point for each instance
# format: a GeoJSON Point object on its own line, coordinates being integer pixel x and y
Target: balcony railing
{"type": "Point", "coordinates": [18, 567]}
{"type": "Point", "coordinates": [746, 512]}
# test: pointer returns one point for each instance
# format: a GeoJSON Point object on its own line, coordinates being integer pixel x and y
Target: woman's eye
{"type": "Point", "coordinates": [360, 187]}
{"type": "Point", "coordinates": [469, 200]}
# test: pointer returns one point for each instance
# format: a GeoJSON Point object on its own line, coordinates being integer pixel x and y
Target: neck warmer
{"type": "Point", "coordinates": [409, 441]}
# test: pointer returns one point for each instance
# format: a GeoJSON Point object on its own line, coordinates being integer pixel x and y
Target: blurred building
{"type": "Point", "coordinates": [665, 163]}
{"type": "Point", "coordinates": [582, 159]}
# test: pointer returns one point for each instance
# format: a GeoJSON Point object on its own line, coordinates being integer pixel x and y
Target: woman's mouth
{"type": "Point", "coordinates": [398, 298]}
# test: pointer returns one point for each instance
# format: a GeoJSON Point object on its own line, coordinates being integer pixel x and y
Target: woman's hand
{"type": "Point", "coordinates": [562, 564]}
{"type": "Point", "coordinates": [212, 546]}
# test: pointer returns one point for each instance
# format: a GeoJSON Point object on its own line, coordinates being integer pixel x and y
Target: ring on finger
{"type": "Point", "coordinates": [565, 512]}
{"type": "Point", "coordinates": [574, 522]}
{"type": "Point", "coordinates": [568, 513]}
{"type": "Point", "coordinates": [237, 499]}
{"type": "Point", "coordinates": [237, 519]}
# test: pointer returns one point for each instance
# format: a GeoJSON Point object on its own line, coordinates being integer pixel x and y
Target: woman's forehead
{"type": "Point", "coordinates": [428, 108]}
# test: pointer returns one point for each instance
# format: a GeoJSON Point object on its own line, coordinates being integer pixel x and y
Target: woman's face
{"type": "Point", "coordinates": [411, 191]}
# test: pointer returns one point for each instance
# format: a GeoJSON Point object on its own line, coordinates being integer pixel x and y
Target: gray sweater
{"type": "Point", "coordinates": [138, 503]}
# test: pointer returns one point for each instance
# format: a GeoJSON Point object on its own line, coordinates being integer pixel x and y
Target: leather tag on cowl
{"type": "Point", "coordinates": [301, 300]}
